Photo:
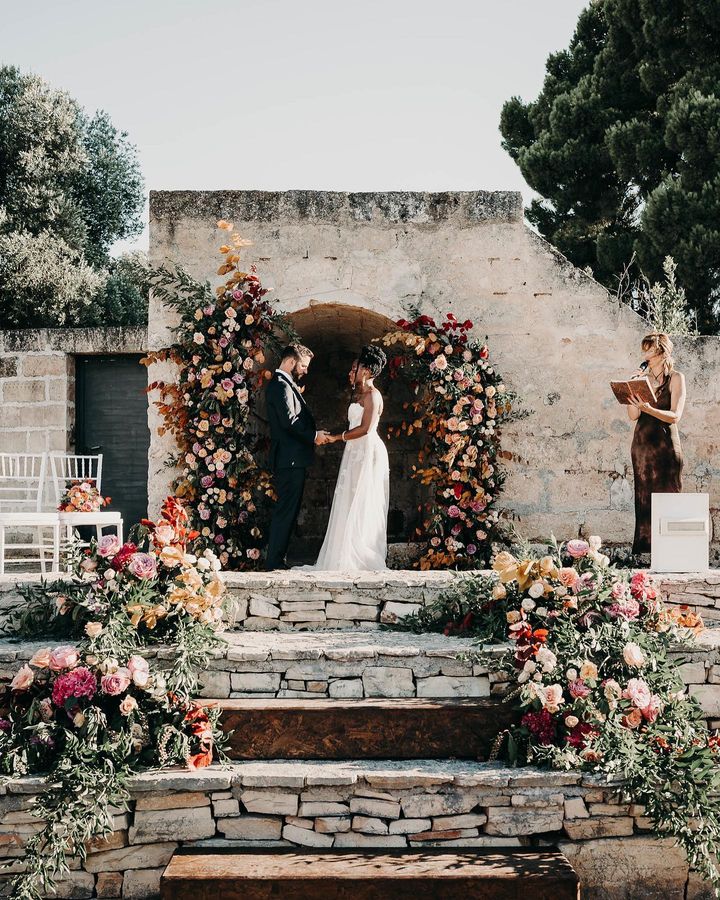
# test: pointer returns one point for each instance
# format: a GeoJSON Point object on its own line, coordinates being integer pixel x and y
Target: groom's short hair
{"type": "Point", "coordinates": [297, 352]}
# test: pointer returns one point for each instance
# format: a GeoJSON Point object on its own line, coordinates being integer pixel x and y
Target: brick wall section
{"type": "Point", "coordinates": [37, 382]}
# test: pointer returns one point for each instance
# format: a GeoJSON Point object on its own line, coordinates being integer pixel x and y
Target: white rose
{"type": "Point", "coordinates": [541, 610]}
{"type": "Point", "coordinates": [571, 674]}
{"type": "Point", "coordinates": [109, 574]}
{"type": "Point", "coordinates": [595, 542]}
{"type": "Point", "coordinates": [633, 655]}
{"type": "Point", "coordinates": [528, 604]}
{"type": "Point", "coordinates": [203, 564]}
{"type": "Point", "coordinates": [537, 589]}
{"type": "Point", "coordinates": [546, 658]}
{"type": "Point", "coordinates": [571, 721]}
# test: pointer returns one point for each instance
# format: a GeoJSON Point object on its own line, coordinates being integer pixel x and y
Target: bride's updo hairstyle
{"type": "Point", "coordinates": [373, 359]}
{"type": "Point", "coordinates": [661, 344]}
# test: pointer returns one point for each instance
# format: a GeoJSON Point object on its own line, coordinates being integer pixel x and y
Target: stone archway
{"type": "Point", "coordinates": [335, 332]}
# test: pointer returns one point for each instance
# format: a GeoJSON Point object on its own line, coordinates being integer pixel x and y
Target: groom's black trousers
{"type": "Point", "coordinates": [289, 485]}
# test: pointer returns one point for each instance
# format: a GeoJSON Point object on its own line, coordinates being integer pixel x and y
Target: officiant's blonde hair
{"type": "Point", "coordinates": [661, 343]}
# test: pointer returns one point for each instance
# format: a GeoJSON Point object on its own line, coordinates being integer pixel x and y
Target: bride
{"type": "Point", "coordinates": [356, 537]}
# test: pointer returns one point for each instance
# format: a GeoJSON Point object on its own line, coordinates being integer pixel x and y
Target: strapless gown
{"type": "Point", "coordinates": [356, 536]}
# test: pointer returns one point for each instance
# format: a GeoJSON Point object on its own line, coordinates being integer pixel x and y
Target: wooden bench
{"type": "Point", "coordinates": [369, 875]}
{"type": "Point", "coordinates": [393, 728]}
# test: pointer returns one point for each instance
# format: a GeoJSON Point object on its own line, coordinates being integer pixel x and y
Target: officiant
{"type": "Point", "coordinates": [656, 452]}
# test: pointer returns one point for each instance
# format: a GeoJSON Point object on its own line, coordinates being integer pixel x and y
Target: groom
{"type": "Point", "coordinates": [293, 436]}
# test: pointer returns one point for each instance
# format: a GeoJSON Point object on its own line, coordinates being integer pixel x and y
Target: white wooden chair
{"type": "Point", "coordinates": [22, 479]}
{"type": "Point", "coordinates": [65, 468]}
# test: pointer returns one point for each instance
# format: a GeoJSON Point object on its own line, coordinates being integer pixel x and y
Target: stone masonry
{"type": "Point", "coordinates": [343, 264]}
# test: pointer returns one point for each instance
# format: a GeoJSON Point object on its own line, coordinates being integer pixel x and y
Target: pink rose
{"type": "Point", "coordinates": [653, 709]}
{"type": "Point", "coordinates": [63, 658]}
{"type": "Point", "coordinates": [116, 683]}
{"type": "Point", "coordinates": [164, 534]}
{"type": "Point", "coordinates": [440, 362]}
{"type": "Point", "coordinates": [139, 670]}
{"type": "Point", "coordinates": [619, 590]}
{"type": "Point", "coordinates": [578, 689]}
{"type": "Point", "coordinates": [552, 697]}
{"type": "Point", "coordinates": [23, 679]}
{"type": "Point", "coordinates": [577, 549]}
{"type": "Point", "coordinates": [453, 511]}
{"type": "Point", "coordinates": [108, 545]}
{"type": "Point", "coordinates": [128, 705]}
{"type": "Point", "coordinates": [142, 565]}
{"type": "Point", "coordinates": [628, 609]}
{"type": "Point", "coordinates": [638, 692]}
{"type": "Point", "coordinates": [41, 658]}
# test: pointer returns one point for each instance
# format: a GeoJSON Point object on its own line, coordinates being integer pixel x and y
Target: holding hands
{"type": "Point", "coordinates": [323, 437]}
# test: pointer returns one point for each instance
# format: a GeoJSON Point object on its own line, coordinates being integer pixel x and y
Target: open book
{"type": "Point", "coordinates": [640, 387]}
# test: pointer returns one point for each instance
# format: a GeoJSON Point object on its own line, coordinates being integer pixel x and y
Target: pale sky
{"type": "Point", "coordinates": [281, 94]}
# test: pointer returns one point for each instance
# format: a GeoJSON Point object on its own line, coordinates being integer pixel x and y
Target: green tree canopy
{"type": "Point", "coordinates": [623, 144]}
{"type": "Point", "coordinates": [70, 186]}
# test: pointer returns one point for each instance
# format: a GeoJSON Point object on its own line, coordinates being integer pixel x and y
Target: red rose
{"type": "Point", "coordinates": [122, 557]}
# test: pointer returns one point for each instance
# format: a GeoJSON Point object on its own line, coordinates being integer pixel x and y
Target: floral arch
{"type": "Point", "coordinates": [455, 403]}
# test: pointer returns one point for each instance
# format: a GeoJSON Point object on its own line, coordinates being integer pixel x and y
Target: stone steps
{"type": "Point", "coordinates": [340, 875]}
{"type": "Point", "coordinates": [391, 728]}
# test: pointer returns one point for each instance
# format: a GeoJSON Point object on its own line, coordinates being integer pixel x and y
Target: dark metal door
{"type": "Point", "coordinates": [111, 418]}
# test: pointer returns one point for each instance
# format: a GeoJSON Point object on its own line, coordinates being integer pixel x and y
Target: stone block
{"type": "Point", "coordinates": [575, 808]}
{"type": "Point", "coordinates": [708, 696]}
{"type": "Point", "coordinates": [190, 824]}
{"type": "Point", "coordinates": [144, 856]}
{"type": "Point", "coordinates": [279, 803]}
{"type": "Point", "coordinates": [251, 828]}
{"type": "Point", "coordinates": [332, 824]}
{"type": "Point", "coordinates": [248, 682]}
{"type": "Point", "coordinates": [692, 673]}
{"type": "Point", "coordinates": [455, 834]}
{"type": "Point", "coordinates": [109, 884]}
{"type": "Point", "coordinates": [141, 884]}
{"type": "Point", "coordinates": [519, 821]}
{"type": "Point", "coordinates": [448, 803]}
{"type": "Point", "coordinates": [598, 827]}
{"type": "Point", "coordinates": [24, 391]}
{"type": "Point", "coordinates": [215, 685]}
{"type": "Point", "coordinates": [393, 611]}
{"type": "Point", "coordinates": [388, 681]}
{"type": "Point", "coordinates": [345, 688]}
{"type": "Point", "coordinates": [222, 808]}
{"type": "Point", "coordinates": [369, 806]}
{"type": "Point", "coordinates": [110, 842]}
{"type": "Point", "coordinates": [8, 366]}
{"type": "Point", "coordinates": [354, 839]}
{"type": "Point", "coordinates": [306, 838]}
{"type": "Point", "coordinates": [74, 886]}
{"type": "Point", "coordinates": [369, 825]}
{"type": "Point", "coordinates": [44, 364]}
{"type": "Point", "coordinates": [323, 808]}
{"type": "Point", "coordinates": [452, 686]}
{"type": "Point", "coordinates": [409, 826]}
{"type": "Point", "coordinates": [448, 823]}
{"type": "Point", "coordinates": [351, 612]}
{"type": "Point", "coordinates": [263, 607]}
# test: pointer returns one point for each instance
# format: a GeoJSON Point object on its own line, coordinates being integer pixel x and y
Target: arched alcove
{"type": "Point", "coordinates": [335, 332]}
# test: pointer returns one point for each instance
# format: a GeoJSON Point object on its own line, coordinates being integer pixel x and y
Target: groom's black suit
{"type": "Point", "coordinates": [292, 450]}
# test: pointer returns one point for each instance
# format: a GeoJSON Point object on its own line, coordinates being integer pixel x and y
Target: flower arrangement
{"type": "Point", "coordinates": [460, 404]}
{"type": "Point", "coordinates": [82, 496]}
{"type": "Point", "coordinates": [86, 722]}
{"type": "Point", "coordinates": [589, 657]}
{"type": "Point", "coordinates": [220, 350]}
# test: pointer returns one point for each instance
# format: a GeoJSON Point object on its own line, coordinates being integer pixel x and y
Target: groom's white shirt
{"type": "Point", "coordinates": [293, 384]}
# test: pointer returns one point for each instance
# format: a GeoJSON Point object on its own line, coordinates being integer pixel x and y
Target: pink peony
{"type": "Point", "coordinates": [628, 609]}
{"type": "Point", "coordinates": [108, 545]}
{"type": "Point", "coordinates": [23, 679]}
{"type": "Point", "coordinates": [619, 590]}
{"type": "Point", "coordinates": [63, 658]}
{"type": "Point", "coordinates": [653, 709]}
{"type": "Point", "coordinates": [76, 684]}
{"type": "Point", "coordinates": [142, 565]}
{"type": "Point", "coordinates": [638, 692]}
{"type": "Point", "coordinates": [578, 549]}
{"type": "Point", "coordinates": [116, 682]}
{"type": "Point", "coordinates": [578, 689]}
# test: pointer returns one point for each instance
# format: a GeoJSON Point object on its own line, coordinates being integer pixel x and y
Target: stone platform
{"type": "Point", "coordinates": [373, 805]}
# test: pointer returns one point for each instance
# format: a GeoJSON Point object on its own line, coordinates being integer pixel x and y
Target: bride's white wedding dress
{"type": "Point", "coordinates": [356, 536]}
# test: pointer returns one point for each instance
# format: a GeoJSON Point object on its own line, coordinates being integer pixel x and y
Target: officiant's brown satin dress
{"type": "Point", "coordinates": [657, 463]}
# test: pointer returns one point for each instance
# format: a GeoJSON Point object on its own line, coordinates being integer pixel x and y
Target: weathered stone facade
{"type": "Point", "coordinates": [344, 264]}
{"type": "Point", "coordinates": [37, 382]}
{"type": "Point", "coordinates": [364, 804]}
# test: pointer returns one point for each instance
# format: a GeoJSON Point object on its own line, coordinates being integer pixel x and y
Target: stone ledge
{"type": "Point", "coordinates": [115, 339]}
{"type": "Point", "coordinates": [413, 207]}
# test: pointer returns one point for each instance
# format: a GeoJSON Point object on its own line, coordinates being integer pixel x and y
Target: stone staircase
{"type": "Point", "coordinates": [359, 768]}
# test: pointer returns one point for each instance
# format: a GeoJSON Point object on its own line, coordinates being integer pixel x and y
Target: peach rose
{"type": "Point", "coordinates": [41, 658]}
{"type": "Point", "coordinates": [128, 705]}
{"type": "Point", "coordinates": [63, 658]}
{"type": "Point", "coordinates": [23, 679]}
{"type": "Point", "coordinates": [568, 577]}
{"type": "Point", "coordinates": [633, 655]}
{"type": "Point", "coordinates": [588, 670]}
{"type": "Point", "coordinates": [171, 556]}
{"type": "Point", "coordinates": [93, 629]}
{"type": "Point", "coordinates": [552, 697]}
{"type": "Point", "coordinates": [632, 719]}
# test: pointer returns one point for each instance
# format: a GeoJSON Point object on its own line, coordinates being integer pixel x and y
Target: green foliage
{"type": "Point", "coordinates": [663, 303]}
{"type": "Point", "coordinates": [70, 186]}
{"type": "Point", "coordinates": [623, 144]}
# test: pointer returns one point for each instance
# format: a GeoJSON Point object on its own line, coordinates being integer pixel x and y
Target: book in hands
{"type": "Point", "coordinates": [639, 387]}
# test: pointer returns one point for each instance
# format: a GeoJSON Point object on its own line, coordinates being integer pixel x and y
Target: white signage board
{"type": "Point", "coordinates": [680, 540]}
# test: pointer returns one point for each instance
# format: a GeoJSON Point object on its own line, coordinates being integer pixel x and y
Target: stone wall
{"type": "Point", "coordinates": [554, 333]}
{"type": "Point", "coordinates": [361, 804]}
{"type": "Point", "coordinates": [37, 382]}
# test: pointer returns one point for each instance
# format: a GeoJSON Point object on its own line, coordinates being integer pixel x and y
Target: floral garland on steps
{"type": "Point", "coordinates": [586, 660]}
{"type": "Point", "coordinates": [460, 404]}
{"type": "Point", "coordinates": [220, 349]}
{"type": "Point", "coordinates": [87, 716]}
